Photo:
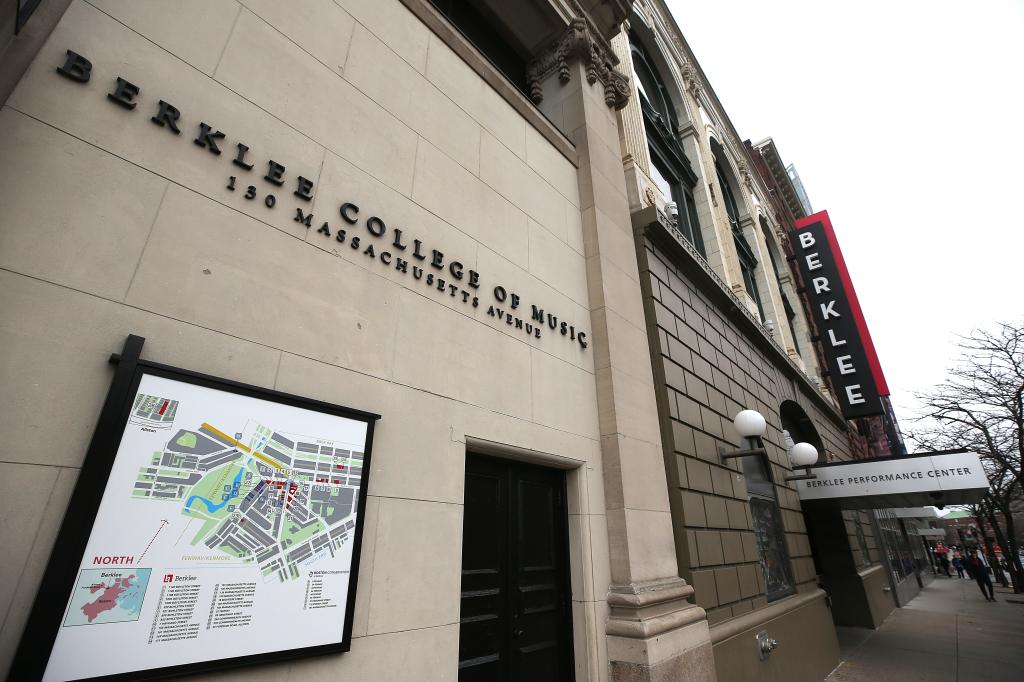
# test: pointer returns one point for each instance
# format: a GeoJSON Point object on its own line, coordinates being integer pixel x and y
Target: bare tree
{"type": "Point", "coordinates": [980, 407]}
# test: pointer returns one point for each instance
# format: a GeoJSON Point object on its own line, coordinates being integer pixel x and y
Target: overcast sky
{"type": "Point", "coordinates": [905, 121]}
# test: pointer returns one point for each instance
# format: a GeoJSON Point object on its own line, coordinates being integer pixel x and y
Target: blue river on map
{"type": "Point", "coordinates": [210, 506]}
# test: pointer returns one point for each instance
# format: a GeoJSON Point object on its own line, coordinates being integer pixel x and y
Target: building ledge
{"type": "Point", "coordinates": [740, 624]}
{"type": "Point", "coordinates": [653, 224]}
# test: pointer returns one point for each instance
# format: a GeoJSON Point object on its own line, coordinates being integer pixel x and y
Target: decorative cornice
{"type": "Point", "coordinates": [579, 41]}
{"type": "Point", "coordinates": [690, 73]}
{"type": "Point", "coordinates": [605, 16]}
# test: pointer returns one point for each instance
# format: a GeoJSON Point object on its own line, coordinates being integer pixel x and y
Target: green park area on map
{"type": "Point", "coordinates": [263, 497]}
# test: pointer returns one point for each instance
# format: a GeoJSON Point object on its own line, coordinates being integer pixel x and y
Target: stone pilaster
{"type": "Point", "coordinates": [633, 135]}
{"type": "Point", "coordinates": [653, 631]}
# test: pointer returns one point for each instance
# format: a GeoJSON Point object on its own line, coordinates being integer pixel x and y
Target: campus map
{"type": "Point", "coordinates": [226, 529]}
{"type": "Point", "coordinates": [256, 495]}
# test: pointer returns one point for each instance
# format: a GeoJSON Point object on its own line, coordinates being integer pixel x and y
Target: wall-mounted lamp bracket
{"type": "Point", "coordinates": [747, 452]}
{"type": "Point", "coordinates": [806, 476]}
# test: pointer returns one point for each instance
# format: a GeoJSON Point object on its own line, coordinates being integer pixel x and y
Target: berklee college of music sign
{"type": "Point", "coordinates": [394, 248]}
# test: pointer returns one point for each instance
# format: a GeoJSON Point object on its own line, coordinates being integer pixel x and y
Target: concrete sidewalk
{"type": "Point", "coordinates": [948, 633]}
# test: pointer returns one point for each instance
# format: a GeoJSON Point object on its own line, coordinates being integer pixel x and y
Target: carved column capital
{"type": "Point", "coordinates": [692, 81]}
{"type": "Point", "coordinates": [783, 239]}
{"type": "Point", "coordinates": [579, 42]}
{"type": "Point", "coordinates": [741, 165]}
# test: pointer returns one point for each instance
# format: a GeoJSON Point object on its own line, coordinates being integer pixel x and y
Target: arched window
{"type": "Point", "coordinates": [798, 426]}
{"type": "Point", "coordinates": [748, 262]}
{"type": "Point", "coordinates": [670, 169]}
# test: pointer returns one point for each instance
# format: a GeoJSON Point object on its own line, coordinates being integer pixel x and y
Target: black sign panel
{"type": "Point", "coordinates": [849, 354]}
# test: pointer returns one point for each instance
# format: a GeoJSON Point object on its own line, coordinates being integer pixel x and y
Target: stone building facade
{"type": "Point", "coordinates": [730, 332]}
{"type": "Point", "coordinates": [567, 322]}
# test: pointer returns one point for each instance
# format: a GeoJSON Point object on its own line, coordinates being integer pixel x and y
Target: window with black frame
{"type": "Point", "coordinates": [670, 168]}
{"type": "Point", "coordinates": [769, 533]}
{"type": "Point", "coordinates": [791, 321]}
{"type": "Point", "coordinates": [748, 266]}
{"type": "Point", "coordinates": [489, 32]}
{"type": "Point", "coordinates": [748, 262]}
{"type": "Point", "coordinates": [791, 314]}
{"type": "Point", "coordinates": [896, 548]}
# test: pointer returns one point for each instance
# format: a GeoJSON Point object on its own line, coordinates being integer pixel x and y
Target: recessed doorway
{"type": "Point", "coordinates": [516, 606]}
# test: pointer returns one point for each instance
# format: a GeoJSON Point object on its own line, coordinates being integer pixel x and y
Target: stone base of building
{"type": "Point", "coordinates": [690, 666]}
{"type": "Point", "coordinates": [656, 635]}
{"type": "Point", "coordinates": [807, 648]}
{"type": "Point", "coordinates": [875, 584]}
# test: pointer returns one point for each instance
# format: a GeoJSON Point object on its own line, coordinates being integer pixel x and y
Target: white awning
{"type": "Point", "coordinates": [928, 478]}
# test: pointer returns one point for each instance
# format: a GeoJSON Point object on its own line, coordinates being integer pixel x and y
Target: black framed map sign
{"type": "Point", "coordinates": [214, 524]}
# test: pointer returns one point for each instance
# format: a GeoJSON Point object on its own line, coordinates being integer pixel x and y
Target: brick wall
{"type": "Point", "coordinates": [709, 369]}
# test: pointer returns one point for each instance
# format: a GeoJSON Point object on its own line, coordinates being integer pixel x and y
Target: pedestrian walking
{"type": "Point", "coordinates": [958, 564]}
{"type": "Point", "coordinates": [942, 555]}
{"type": "Point", "coordinates": [980, 573]}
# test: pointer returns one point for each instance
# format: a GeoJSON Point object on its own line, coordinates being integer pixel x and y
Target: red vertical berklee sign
{"type": "Point", "coordinates": [849, 353]}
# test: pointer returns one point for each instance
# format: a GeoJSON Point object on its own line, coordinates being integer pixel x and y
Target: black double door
{"type": "Point", "coordinates": [516, 609]}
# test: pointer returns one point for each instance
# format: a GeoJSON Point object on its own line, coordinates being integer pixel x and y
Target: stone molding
{"type": "Point", "coordinates": [579, 42]}
{"type": "Point", "coordinates": [642, 611]}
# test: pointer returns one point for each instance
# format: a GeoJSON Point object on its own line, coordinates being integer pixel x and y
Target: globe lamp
{"type": "Point", "coordinates": [750, 424]}
{"type": "Point", "coordinates": [803, 455]}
